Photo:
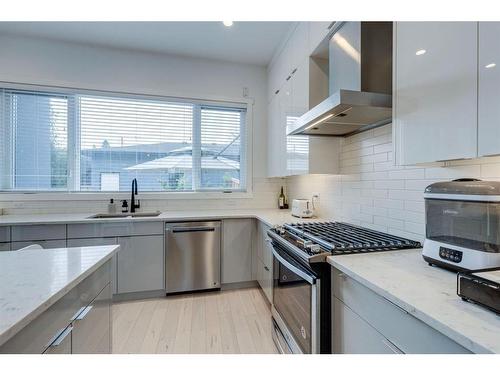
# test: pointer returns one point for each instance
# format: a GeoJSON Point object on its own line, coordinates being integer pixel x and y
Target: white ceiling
{"type": "Point", "coordinates": [244, 42]}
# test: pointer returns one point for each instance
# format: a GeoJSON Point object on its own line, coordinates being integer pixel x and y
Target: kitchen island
{"type": "Point", "coordinates": [48, 294]}
{"type": "Point", "coordinates": [407, 291]}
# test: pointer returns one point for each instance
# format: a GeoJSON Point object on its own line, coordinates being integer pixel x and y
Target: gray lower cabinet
{"type": "Point", "coordinates": [4, 234]}
{"type": "Point", "coordinates": [4, 246]}
{"type": "Point", "coordinates": [91, 332]}
{"type": "Point", "coordinates": [358, 312]}
{"type": "Point", "coordinates": [80, 321]}
{"type": "Point", "coordinates": [264, 260]}
{"type": "Point", "coordinates": [353, 335]}
{"type": "Point", "coordinates": [140, 264]}
{"type": "Point", "coordinates": [38, 232]}
{"type": "Point", "coordinates": [78, 242]}
{"type": "Point", "coordinates": [237, 235]}
{"type": "Point", "coordinates": [46, 244]}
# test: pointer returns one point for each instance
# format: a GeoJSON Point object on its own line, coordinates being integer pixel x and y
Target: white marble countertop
{"type": "Point", "coordinates": [269, 216]}
{"type": "Point", "coordinates": [33, 280]}
{"type": "Point", "coordinates": [428, 293]}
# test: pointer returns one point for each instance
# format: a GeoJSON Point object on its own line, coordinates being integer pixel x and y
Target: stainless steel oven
{"type": "Point", "coordinates": [301, 309]}
{"type": "Point", "coordinates": [296, 305]}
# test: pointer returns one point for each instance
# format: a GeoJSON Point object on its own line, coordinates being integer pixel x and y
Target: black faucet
{"type": "Point", "coordinates": [133, 204]}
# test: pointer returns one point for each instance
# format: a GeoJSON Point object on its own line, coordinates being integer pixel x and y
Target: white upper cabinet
{"type": "Point", "coordinates": [275, 140]}
{"type": "Point", "coordinates": [289, 95]}
{"type": "Point", "coordinates": [317, 32]}
{"type": "Point", "coordinates": [489, 89]}
{"type": "Point", "coordinates": [435, 91]}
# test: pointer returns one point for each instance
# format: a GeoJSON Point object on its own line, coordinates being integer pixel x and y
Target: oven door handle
{"type": "Point", "coordinates": [311, 280]}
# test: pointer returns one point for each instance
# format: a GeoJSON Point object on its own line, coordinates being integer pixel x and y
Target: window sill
{"type": "Point", "coordinates": [80, 196]}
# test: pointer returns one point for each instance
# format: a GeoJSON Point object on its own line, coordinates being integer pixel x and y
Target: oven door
{"type": "Point", "coordinates": [295, 302]}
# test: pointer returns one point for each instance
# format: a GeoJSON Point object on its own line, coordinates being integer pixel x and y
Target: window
{"type": "Point", "coordinates": [92, 143]}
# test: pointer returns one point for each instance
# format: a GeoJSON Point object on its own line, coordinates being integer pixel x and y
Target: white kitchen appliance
{"type": "Point", "coordinates": [302, 208]}
{"type": "Point", "coordinates": [463, 224]}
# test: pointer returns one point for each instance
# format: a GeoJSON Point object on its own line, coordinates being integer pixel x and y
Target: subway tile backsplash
{"type": "Point", "coordinates": [372, 192]}
{"type": "Point", "coordinates": [265, 193]}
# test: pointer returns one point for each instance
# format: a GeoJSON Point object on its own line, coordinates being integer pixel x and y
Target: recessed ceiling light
{"type": "Point", "coordinates": [492, 65]}
{"type": "Point", "coordinates": [227, 23]}
{"type": "Point", "coordinates": [420, 52]}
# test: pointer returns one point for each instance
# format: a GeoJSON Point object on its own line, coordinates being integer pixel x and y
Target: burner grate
{"type": "Point", "coordinates": [343, 238]}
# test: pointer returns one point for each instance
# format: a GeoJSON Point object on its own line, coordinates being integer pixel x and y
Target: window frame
{"type": "Point", "coordinates": [74, 144]}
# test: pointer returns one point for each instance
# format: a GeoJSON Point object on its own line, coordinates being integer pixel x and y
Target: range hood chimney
{"type": "Point", "coordinates": [360, 82]}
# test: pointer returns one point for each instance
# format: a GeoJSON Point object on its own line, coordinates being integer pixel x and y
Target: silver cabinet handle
{"type": "Point", "coordinates": [78, 313]}
{"type": "Point", "coordinates": [392, 347]}
{"type": "Point", "coordinates": [84, 313]}
{"type": "Point", "coordinates": [193, 229]}
{"type": "Point", "coordinates": [59, 339]}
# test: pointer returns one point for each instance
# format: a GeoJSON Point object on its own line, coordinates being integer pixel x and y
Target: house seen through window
{"type": "Point", "coordinates": [92, 143]}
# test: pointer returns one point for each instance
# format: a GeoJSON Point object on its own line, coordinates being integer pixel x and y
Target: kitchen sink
{"type": "Point", "coordinates": [125, 215]}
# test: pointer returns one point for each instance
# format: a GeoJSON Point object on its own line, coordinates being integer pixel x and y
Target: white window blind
{"type": "Point", "coordinates": [35, 143]}
{"type": "Point", "coordinates": [222, 131]}
{"type": "Point", "coordinates": [91, 143]}
{"type": "Point", "coordinates": [297, 148]}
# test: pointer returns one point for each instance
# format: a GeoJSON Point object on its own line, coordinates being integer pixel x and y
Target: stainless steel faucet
{"type": "Point", "coordinates": [133, 203]}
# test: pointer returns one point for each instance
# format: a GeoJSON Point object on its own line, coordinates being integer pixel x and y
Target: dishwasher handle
{"type": "Point", "coordinates": [191, 229]}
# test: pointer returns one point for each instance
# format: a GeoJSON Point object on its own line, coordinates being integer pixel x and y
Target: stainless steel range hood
{"type": "Point", "coordinates": [360, 72]}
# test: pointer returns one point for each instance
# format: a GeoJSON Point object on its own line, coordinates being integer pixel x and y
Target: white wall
{"type": "Point", "coordinates": [372, 192]}
{"type": "Point", "coordinates": [45, 62]}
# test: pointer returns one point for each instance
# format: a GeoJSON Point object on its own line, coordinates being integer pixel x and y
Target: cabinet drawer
{"type": "Point", "coordinates": [114, 229]}
{"type": "Point", "coordinates": [352, 335]}
{"type": "Point", "coordinates": [38, 334]}
{"type": "Point", "coordinates": [49, 244]}
{"type": "Point", "coordinates": [38, 232]}
{"type": "Point", "coordinates": [92, 328]}
{"type": "Point", "coordinates": [4, 234]}
{"type": "Point", "coordinates": [405, 331]}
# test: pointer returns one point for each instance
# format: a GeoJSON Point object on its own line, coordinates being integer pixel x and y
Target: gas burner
{"type": "Point", "coordinates": [314, 241]}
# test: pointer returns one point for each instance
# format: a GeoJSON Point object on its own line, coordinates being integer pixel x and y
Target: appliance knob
{"type": "Point", "coordinates": [315, 249]}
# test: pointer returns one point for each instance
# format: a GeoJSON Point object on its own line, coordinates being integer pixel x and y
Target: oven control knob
{"type": "Point", "coordinates": [314, 248]}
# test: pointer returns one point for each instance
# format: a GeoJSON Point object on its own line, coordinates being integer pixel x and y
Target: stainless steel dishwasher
{"type": "Point", "coordinates": [192, 256]}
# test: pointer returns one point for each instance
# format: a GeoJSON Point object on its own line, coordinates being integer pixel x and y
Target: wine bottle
{"type": "Point", "coordinates": [281, 200]}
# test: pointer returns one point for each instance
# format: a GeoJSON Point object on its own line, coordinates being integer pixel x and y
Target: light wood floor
{"type": "Point", "coordinates": [233, 321]}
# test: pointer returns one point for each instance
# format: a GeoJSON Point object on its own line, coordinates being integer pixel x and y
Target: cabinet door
{"type": "Point", "coordinates": [140, 264]}
{"type": "Point", "coordinates": [489, 89]}
{"type": "Point", "coordinates": [299, 44]}
{"type": "Point", "coordinates": [286, 118]}
{"type": "Point", "coordinates": [62, 344]}
{"type": "Point", "coordinates": [92, 327]}
{"type": "Point", "coordinates": [298, 145]}
{"type": "Point", "coordinates": [276, 139]}
{"type": "Point", "coordinates": [78, 242]}
{"type": "Point", "coordinates": [46, 244]}
{"type": "Point", "coordinates": [4, 234]}
{"type": "Point", "coordinates": [435, 91]}
{"type": "Point", "coordinates": [237, 250]}
{"type": "Point", "coordinates": [352, 335]}
{"type": "Point", "coordinates": [317, 32]}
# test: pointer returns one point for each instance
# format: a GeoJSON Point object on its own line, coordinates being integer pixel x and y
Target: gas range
{"type": "Point", "coordinates": [301, 310]}
{"type": "Point", "coordinates": [313, 242]}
